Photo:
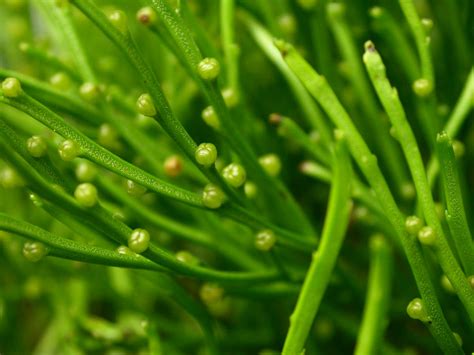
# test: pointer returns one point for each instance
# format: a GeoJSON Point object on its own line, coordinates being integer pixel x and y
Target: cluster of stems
{"type": "Point", "coordinates": [153, 162]}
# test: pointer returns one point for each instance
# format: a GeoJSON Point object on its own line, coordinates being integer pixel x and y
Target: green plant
{"type": "Point", "coordinates": [144, 241]}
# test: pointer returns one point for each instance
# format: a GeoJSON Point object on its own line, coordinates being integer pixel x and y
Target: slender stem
{"type": "Point", "coordinates": [322, 92]}
{"type": "Point", "coordinates": [455, 121]}
{"type": "Point", "coordinates": [360, 192]}
{"type": "Point", "coordinates": [374, 322]}
{"type": "Point", "coordinates": [422, 45]}
{"type": "Point", "coordinates": [273, 190]}
{"type": "Point", "coordinates": [324, 258]}
{"type": "Point", "coordinates": [377, 130]}
{"type": "Point", "coordinates": [49, 60]}
{"type": "Point", "coordinates": [385, 24]}
{"type": "Point", "coordinates": [389, 98]}
{"type": "Point", "coordinates": [184, 231]}
{"type": "Point", "coordinates": [289, 128]}
{"type": "Point", "coordinates": [70, 249]}
{"type": "Point", "coordinates": [312, 113]}
{"type": "Point", "coordinates": [120, 232]}
{"type": "Point", "coordinates": [456, 216]}
{"type": "Point", "coordinates": [231, 50]}
{"type": "Point", "coordinates": [94, 152]}
{"type": "Point", "coordinates": [62, 21]}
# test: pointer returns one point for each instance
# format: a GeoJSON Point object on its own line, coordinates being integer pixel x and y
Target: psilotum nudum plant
{"type": "Point", "coordinates": [236, 177]}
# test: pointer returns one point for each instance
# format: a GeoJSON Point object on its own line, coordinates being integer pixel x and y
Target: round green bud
{"type": "Point", "coordinates": [417, 310]}
{"type": "Point", "coordinates": [36, 146]}
{"type": "Point", "coordinates": [427, 24]}
{"type": "Point", "coordinates": [135, 189]}
{"type": "Point", "coordinates": [11, 87]}
{"type": "Point", "coordinates": [186, 257]}
{"type": "Point", "coordinates": [9, 178]}
{"type": "Point", "coordinates": [427, 236]}
{"type": "Point", "coordinates": [307, 4]}
{"type": "Point", "coordinates": [173, 166]}
{"type": "Point", "coordinates": [60, 81]}
{"type": "Point", "coordinates": [147, 16]}
{"type": "Point", "coordinates": [145, 105]}
{"type": "Point", "coordinates": [234, 174]}
{"type": "Point", "coordinates": [250, 189]}
{"type": "Point", "coordinates": [470, 279]}
{"type": "Point", "coordinates": [24, 46]}
{"type": "Point", "coordinates": [422, 87]}
{"type": "Point", "coordinates": [124, 250]}
{"type": "Point", "coordinates": [206, 154]}
{"type": "Point", "coordinates": [458, 338]}
{"type": "Point", "coordinates": [119, 20]}
{"type": "Point", "coordinates": [211, 293]}
{"type": "Point", "coordinates": [34, 251]}
{"type": "Point", "coordinates": [89, 92]}
{"type": "Point", "coordinates": [139, 240]}
{"type": "Point", "coordinates": [271, 164]}
{"type": "Point", "coordinates": [335, 9]}
{"type": "Point", "coordinates": [413, 225]}
{"type": "Point", "coordinates": [209, 116]}
{"type": "Point", "coordinates": [408, 191]}
{"type": "Point", "coordinates": [265, 240]}
{"type": "Point", "coordinates": [230, 96]}
{"type": "Point", "coordinates": [108, 136]}
{"type": "Point", "coordinates": [85, 171]}
{"type": "Point", "coordinates": [68, 150]}
{"type": "Point", "coordinates": [208, 68]}
{"type": "Point", "coordinates": [447, 284]}
{"type": "Point", "coordinates": [86, 194]}
{"type": "Point", "coordinates": [459, 149]}
{"type": "Point", "coordinates": [394, 133]}
{"type": "Point", "coordinates": [375, 12]}
{"type": "Point", "coordinates": [212, 196]}
{"type": "Point", "coordinates": [287, 24]}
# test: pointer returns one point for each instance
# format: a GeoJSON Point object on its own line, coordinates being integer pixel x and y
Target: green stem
{"type": "Point", "coordinates": [455, 121]}
{"type": "Point", "coordinates": [62, 21]}
{"type": "Point", "coordinates": [422, 45]}
{"type": "Point", "coordinates": [274, 190]}
{"type": "Point", "coordinates": [374, 322]}
{"type": "Point", "coordinates": [456, 216]}
{"type": "Point", "coordinates": [94, 152]}
{"type": "Point", "coordinates": [49, 60]}
{"type": "Point", "coordinates": [231, 50]}
{"type": "Point", "coordinates": [184, 231]}
{"type": "Point", "coordinates": [399, 46]}
{"type": "Point", "coordinates": [324, 258]}
{"type": "Point", "coordinates": [70, 249]}
{"type": "Point", "coordinates": [120, 232]}
{"type": "Point", "coordinates": [367, 162]}
{"type": "Point", "coordinates": [312, 113]}
{"type": "Point", "coordinates": [389, 98]}
{"type": "Point", "coordinates": [377, 130]}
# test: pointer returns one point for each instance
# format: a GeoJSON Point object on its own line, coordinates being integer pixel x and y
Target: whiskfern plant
{"type": "Point", "coordinates": [236, 177]}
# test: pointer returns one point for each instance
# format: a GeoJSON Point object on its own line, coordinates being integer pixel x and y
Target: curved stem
{"type": "Point", "coordinates": [422, 45]}
{"type": "Point", "coordinates": [389, 98]}
{"type": "Point", "coordinates": [324, 258]}
{"type": "Point", "coordinates": [377, 130]}
{"type": "Point", "coordinates": [455, 121]}
{"type": "Point", "coordinates": [455, 213]}
{"type": "Point", "coordinates": [367, 162]}
{"type": "Point", "coordinates": [374, 321]}
{"type": "Point", "coordinates": [231, 50]}
{"type": "Point", "coordinates": [72, 250]}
